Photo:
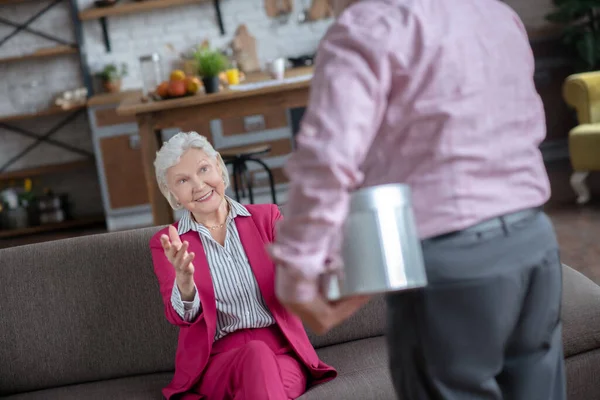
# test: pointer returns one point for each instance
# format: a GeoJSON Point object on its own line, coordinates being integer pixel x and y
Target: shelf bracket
{"type": "Point", "coordinates": [104, 26]}
{"type": "Point", "coordinates": [217, 4]}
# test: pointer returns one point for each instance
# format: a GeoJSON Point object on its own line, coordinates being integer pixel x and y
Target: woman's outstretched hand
{"type": "Point", "coordinates": [177, 254]}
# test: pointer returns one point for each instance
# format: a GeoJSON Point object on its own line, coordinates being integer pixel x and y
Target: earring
{"type": "Point", "coordinates": [178, 205]}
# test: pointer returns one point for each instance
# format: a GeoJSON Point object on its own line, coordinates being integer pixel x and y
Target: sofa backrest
{"type": "Point", "coordinates": [89, 308]}
{"type": "Point", "coordinates": [79, 310]}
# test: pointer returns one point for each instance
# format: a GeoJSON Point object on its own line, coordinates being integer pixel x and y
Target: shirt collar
{"type": "Point", "coordinates": [187, 222]}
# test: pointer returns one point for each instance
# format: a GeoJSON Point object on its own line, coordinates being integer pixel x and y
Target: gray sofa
{"type": "Point", "coordinates": [82, 319]}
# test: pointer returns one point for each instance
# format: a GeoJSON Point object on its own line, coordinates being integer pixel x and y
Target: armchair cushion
{"type": "Point", "coordinates": [584, 147]}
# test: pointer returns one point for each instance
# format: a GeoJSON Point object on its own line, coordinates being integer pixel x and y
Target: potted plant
{"type": "Point", "coordinates": [581, 30]}
{"type": "Point", "coordinates": [210, 64]}
{"type": "Point", "coordinates": [111, 77]}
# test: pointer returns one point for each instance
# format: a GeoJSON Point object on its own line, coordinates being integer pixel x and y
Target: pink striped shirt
{"type": "Point", "coordinates": [433, 93]}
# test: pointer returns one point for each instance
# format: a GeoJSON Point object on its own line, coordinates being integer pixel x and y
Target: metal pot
{"type": "Point", "coordinates": [381, 249]}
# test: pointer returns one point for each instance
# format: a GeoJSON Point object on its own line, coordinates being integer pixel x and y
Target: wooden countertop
{"type": "Point", "coordinates": [134, 105]}
{"type": "Point", "coordinates": [112, 98]}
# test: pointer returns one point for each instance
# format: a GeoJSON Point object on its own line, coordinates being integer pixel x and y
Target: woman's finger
{"type": "Point", "coordinates": [174, 236]}
{"type": "Point", "coordinates": [187, 263]}
{"type": "Point", "coordinates": [181, 253]}
{"type": "Point", "coordinates": [165, 242]}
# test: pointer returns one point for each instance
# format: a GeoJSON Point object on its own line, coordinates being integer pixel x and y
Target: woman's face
{"type": "Point", "coordinates": [197, 182]}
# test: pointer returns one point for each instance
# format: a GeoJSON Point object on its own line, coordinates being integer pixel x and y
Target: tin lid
{"type": "Point", "coordinates": [150, 57]}
{"type": "Point", "coordinates": [390, 195]}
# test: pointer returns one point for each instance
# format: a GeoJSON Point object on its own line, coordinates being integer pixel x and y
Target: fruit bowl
{"type": "Point", "coordinates": [178, 85]}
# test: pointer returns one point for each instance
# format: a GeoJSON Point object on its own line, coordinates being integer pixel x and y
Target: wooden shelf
{"type": "Point", "coordinates": [41, 53]}
{"type": "Point", "coordinates": [45, 170]}
{"type": "Point", "coordinates": [104, 99]}
{"type": "Point", "coordinates": [76, 223]}
{"type": "Point", "coordinates": [132, 8]}
{"type": "Point", "coordinates": [54, 110]}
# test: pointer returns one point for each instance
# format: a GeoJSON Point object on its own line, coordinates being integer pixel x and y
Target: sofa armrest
{"type": "Point", "coordinates": [582, 92]}
{"type": "Point", "coordinates": [580, 313]}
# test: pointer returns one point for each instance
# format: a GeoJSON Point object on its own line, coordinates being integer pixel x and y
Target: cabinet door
{"type": "Point", "coordinates": [125, 181]}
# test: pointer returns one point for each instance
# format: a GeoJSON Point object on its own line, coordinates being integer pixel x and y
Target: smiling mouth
{"type": "Point", "coordinates": [205, 197]}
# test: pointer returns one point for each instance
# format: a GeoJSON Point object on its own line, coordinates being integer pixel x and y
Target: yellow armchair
{"type": "Point", "coordinates": [582, 92]}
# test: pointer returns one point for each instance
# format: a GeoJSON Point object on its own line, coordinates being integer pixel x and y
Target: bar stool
{"type": "Point", "coordinates": [238, 157]}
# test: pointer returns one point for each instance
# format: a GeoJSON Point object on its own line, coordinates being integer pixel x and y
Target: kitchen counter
{"type": "Point", "coordinates": [258, 95]}
{"type": "Point", "coordinates": [134, 105]}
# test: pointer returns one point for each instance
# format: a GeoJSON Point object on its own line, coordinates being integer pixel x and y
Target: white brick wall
{"type": "Point", "coordinates": [187, 26]}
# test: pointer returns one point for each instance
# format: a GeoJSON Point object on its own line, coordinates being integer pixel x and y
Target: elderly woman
{"type": "Point", "coordinates": [236, 341]}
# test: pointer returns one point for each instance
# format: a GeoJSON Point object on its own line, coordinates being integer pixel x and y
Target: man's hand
{"type": "Point", "coordinates": [321, 315]}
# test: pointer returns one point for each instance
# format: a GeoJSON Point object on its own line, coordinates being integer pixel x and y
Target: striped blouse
{"type": "Point", "coordinates": [240, 304]}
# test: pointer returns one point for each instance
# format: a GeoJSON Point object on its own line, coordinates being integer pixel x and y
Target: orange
{"type": "Point", "coordinates": [192, 85]}
{"type": "Point", "coordinates": [177, 75]}
{"type": "Point", "coordinates": [176, 88]}
{"type": "Point", "coordinates": [163, 89]}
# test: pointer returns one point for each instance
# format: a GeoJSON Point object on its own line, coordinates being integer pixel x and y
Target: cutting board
{"type": "Point", "coordinates": [319, 9]}
{"type": "Point", "coordinates": [276, 8]}
{"type": "Point", "coordinates": [244, 50]}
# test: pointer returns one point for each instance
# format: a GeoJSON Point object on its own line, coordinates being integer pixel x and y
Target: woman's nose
{"type": "Point", "coordinates": [198, 184]}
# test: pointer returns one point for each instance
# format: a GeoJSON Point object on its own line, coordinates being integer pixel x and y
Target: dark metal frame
{"type": "Point", "coordinates": [25, 27]}
{"type": "Point", "coordinates": [78, 31]}
{"type": "Point", "coordinates": [45, 137]}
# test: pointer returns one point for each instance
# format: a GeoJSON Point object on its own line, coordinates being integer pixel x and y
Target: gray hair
{"type": "Point", "coordinates": [170, 153]}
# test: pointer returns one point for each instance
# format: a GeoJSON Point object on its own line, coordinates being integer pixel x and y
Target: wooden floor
{"type": "Point", "coordinates": [577, 227]}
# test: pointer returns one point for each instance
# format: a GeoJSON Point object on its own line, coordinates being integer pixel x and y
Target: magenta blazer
{"type": "Point", "coordinates": [196, 338]}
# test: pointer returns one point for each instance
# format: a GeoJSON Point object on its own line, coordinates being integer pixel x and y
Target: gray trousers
{"type": "Point", "coordinates": [488, 325]}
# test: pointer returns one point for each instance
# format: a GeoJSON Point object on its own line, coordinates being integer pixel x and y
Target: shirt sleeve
{"type": "Point", "coordinates": [187, 310]}
{"type": "Point", "coordinates": [348, 99]}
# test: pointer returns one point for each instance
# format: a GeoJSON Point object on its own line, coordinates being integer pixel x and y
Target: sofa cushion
{"type": "Point", "coordinates": [144, 387]}
{"type": "Point", "coordinates": [363, 372]}
{"type": "Point", "coordinates": [368, 322]}
{"type": "Point", "coordinates": [580, 313]}
{"type": "Point", "coordinates": [81, 310]}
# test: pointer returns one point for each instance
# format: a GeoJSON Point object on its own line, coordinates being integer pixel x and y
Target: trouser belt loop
{"type": "Point", "coordinates": [504, 225]}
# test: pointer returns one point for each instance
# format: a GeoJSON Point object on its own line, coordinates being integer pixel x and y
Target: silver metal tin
{"type": "Point", "coordinates": [381, 249]}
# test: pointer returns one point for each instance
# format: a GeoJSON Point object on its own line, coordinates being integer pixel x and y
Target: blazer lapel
{"type": "Point", "coordinates": [259, 260]}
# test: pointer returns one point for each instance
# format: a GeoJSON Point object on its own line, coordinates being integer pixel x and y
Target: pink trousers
{"type": "Point", "coordinates": [253, 364]}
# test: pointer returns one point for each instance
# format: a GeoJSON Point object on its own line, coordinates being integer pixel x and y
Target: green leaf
{"type": "Point", "coordinates": [210, 62]}
{"type": "Point", "coordinates": [587, 49]}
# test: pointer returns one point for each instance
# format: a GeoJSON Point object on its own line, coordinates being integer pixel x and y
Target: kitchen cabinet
{"type": "Point", "coordinates": [122, 159]}
{"type": "Point", "coordinates": [119, 163]}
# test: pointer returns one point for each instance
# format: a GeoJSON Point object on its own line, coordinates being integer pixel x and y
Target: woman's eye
{"type": "Point", "coordinates": [204, 169]}
{"type": "Point", "coordinates": [182, 181]}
